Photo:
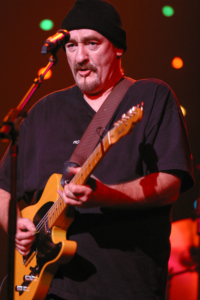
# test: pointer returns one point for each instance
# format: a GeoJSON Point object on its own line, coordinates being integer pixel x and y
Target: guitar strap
{"type": "Point", "coordinates": [102, 117]}
{"type": "Point", "coordinates": [90, 137]}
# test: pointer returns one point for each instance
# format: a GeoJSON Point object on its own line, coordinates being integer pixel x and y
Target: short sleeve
{"type": "Point", "coordinates": [166, 142]}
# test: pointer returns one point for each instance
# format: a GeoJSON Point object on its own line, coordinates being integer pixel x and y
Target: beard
{"type": "Point", "coordinates": [86, 83]}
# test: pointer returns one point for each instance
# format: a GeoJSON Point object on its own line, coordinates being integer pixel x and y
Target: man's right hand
{"type": "Point", "coordinates": [25, 234]}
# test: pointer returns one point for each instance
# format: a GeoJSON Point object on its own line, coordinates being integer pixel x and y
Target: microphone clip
{"type": "Point", "coordinates": [55, 42]}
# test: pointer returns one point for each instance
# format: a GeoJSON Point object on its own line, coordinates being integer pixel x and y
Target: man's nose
{"type": "Point", "coordinates": [81, 54]}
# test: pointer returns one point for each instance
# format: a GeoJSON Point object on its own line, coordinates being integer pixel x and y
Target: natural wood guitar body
{"type": "Point", "coordinates": [47, 260]}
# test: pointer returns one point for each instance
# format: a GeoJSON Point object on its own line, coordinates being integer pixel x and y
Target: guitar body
{"type": "Point", "coordinates": [50, 250]}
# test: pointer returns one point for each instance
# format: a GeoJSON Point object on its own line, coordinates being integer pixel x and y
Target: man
{"type": "Point", "coordinates": [121, 226]}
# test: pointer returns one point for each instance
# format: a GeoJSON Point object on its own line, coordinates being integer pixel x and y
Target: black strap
{"type": "Point", "coordinates": [90, 137]}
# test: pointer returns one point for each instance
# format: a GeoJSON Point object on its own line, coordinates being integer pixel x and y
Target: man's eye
{"type": "Point", "coordinates": [71, 47]}
{"type": "Point", "coordinates": [93, 45]}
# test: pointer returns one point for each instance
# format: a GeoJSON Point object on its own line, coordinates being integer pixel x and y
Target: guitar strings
{"type": "Point", "coordinates": [54, 208]}
{"type": "Point", "coordinates": [49, 212]}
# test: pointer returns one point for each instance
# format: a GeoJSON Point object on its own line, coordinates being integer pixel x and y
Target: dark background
{"type": "Point", "coordinates": [153, 41]}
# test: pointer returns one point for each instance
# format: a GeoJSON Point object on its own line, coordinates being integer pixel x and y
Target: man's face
{"type": "Point", "coordinates": [92, 59]}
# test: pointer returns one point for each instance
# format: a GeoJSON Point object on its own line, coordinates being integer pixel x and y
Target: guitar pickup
{"type": "Point", "coordinates": [27, 259]}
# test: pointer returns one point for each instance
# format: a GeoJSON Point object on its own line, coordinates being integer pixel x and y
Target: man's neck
{"type": "Point", "coordinates": [95, 101]}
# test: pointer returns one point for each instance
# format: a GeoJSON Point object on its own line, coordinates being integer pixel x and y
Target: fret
{"type": "Point", "coordinates": [55, 211]}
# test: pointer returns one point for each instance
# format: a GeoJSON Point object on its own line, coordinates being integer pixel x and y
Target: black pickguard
{"type": "Point", "coordinates": [46, 249]}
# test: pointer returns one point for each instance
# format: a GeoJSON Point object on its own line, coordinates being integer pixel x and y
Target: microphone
{"type": "Point", "coordinates": [55, 41]}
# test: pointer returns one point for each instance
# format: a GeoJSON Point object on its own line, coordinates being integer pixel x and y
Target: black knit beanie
{"type": "Point", "coordinates": [99, 15]}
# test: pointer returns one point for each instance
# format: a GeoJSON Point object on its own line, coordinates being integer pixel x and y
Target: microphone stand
{"type": "Point", "coordinates": [9, 131]}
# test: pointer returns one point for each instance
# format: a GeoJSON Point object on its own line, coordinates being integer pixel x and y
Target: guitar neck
{"type": "Point", "coordinates": [56, 212]}
{"type": "Point", "coordinates": [93, 160]}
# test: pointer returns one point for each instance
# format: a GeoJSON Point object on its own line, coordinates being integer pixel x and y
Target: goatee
{"type": "Point", "coordinates": [86, 83]}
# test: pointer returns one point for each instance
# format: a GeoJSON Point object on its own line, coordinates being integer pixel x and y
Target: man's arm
{"type": "Point", "coordinates": [4, 202]}
{"type": "Point", "coordinates": [153, 190]}
{"type": "Point", "coordinates": [25, 229]}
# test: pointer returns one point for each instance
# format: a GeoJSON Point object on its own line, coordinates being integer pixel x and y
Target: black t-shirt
{"type": "Point", "coordinates": [121, 254]}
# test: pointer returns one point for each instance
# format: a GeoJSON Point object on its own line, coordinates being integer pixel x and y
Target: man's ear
{"type": "Point", "coordinates": [119, 52]}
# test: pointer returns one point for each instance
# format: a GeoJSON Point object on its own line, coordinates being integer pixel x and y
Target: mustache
{"type": "Point", "coordinates": [84, 66]}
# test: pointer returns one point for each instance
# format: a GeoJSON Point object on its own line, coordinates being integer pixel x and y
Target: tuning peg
{"type": "Point", "coordinates": [125, 117]}
{"type": "Point", "coordinates": [116, 124]}
{"type": "Point", "coordinates": [131, 110]}
{"type": "Point", "coordinates": [141, 105]}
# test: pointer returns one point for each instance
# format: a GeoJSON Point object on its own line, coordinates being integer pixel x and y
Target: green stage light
{"type": "Point", "coordinates": [167, 11]}
{"type": "Point", "coordinates": [46, 24]}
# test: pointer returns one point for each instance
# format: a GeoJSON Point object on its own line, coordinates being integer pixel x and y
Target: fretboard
{"type": "Point", "coordinates": [80, 178]}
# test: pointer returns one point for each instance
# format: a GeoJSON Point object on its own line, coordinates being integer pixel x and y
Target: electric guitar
{"type": "Point", "coordinates": [33, 274]}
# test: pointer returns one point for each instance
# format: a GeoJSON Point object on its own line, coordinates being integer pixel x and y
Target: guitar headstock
{"type": "Point", "coordinates": [126, 123]}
